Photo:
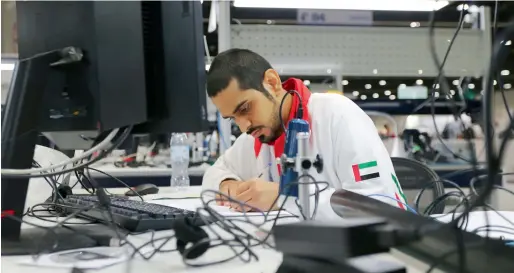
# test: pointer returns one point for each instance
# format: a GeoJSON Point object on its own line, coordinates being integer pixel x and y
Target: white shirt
{"type": "Point", "coordinates": [343, 135]}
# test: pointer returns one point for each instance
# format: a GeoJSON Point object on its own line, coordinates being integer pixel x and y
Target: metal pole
{"type": "Point", "coordinates": [339, 82]}
{"type": "Point", "coordinates": [487, 43]}
{"type": "Point", "coordinates": [303, 187]}
{"type": "Point", "coordinates": [224, 40]}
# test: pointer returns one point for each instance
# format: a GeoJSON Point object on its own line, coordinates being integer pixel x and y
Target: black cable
{"type": "Point", "coordinates": [241, 241]}
{"type": "Point", "coordinates": [441, 79]}
{"type": "Point", "coordinates": [118, 180]}
{"type": "Point", "coordinates": [493, 161]}
{"type": "Point", "coordinates": [299, 113]}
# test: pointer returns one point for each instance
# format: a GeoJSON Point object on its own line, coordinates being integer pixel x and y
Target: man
{"type": "Point", "coordinates": [244, 87]}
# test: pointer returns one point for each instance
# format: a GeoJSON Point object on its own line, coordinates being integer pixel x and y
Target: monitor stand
{"type": "Point", "coordinates": [19, 134]}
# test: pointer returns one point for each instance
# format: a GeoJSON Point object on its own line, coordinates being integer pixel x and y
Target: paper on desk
{"type": "Point", "coordinates": [83, 258]}
{"type": "Point", "coordinates": [193, 204]}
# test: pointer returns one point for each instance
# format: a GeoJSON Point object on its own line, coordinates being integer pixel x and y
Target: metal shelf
{"type": "Point", "coordinates": [362, 51]}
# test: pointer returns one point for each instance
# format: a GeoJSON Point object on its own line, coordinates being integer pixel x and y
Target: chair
{"type": "Point", "coordinates": [413, 177]}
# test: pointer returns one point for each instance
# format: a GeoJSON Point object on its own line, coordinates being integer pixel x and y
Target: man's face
{"type": "Point", "coordinates": [253, 111]}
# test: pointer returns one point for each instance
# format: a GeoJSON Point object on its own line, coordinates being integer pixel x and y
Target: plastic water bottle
{"type": "Point", "coordinates": [179, 153]}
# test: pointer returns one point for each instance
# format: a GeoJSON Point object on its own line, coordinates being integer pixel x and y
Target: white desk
{"type": "Point", "coordinates": [269, 260]}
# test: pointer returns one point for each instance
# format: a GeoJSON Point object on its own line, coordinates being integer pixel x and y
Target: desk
{"type": "Point", "coordinates": [269, 260]}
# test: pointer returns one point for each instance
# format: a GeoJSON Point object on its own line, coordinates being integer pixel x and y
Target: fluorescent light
{"type": "Point", "coordinates": [471, 86]}
{"type": "Point", "coordinates": [307, 82]}
{"type": "Point", "coordinates": [7, 66]}
{"type": "Point", "coordinates": [367, 86]}
{"type": "Point", "coordinates": [420, 71]}
{"type": "Point", "coordinates": [507, 86]}
{"type": "Point", "coordinates": [345, 82]}
{"type": "Point", "coordinates": [505, 72]}
{"type": "Point", "coordinates": [355, 93]}
{"type": "Point", "coordinates": [375, 95]}
{"type": "Point", "coordinates": [509, 42]}
{"type": "Point", "coordinates": [436, 94]}
{"type": "Point", "coordinates": [392, 97]}
{"type": "Point", "coordinates": [387, 92]}
{"type": "Point", "coordinates": [393, 5]}
{"type": "Point", "coordinates": [363, 97]}
{"type": "Point", "coordinates": [456, 82]}
{"type": "Point", "coordinates": [375, 71]}
{"type": "Point", "coordinates": [415, 24]}
{"type": "Point", "coordinates": [382, 82]}
{"type": "Point", "coordinates": [495, 82]}
{"type": "Point", "coordinates": [419, 82]}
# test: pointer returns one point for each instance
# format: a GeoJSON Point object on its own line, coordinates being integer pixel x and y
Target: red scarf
{"type": "Point", "coordinates": [305, 93]}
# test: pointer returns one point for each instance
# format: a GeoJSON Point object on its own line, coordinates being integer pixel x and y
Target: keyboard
{"type": "Point", "coordinates": [132, 215]}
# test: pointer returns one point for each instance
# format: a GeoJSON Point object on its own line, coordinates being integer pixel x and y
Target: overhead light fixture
{"type": "Point", "coordinates": [329, 71]}
{"type": "Point", "coordinates": [471, 86]}
{"type": "Point", "coordinates": [390, 5]}
{"type": "Point", "coordinates": [367, 86]}
{"type": "Point", "coordinates": [507, 86]}
{"type": "Point", "coordinates": [402, 86]}
{"type": "Point", "coordinates": [375, 71]}
{"type": "Point", "coordinates": [363, 97]}
{"type": "Point", "coordinates": [494, 82]}
{"type": "Point", "coordinates": [505, 72]}
{"type": "Point", "coordinates": [415, 24]}
{"type": "Point", "coordinates": [375, 95]}
{"type": "Point", "coordinates": [419, 82]}
{"type": "Point", "coordinates": [392, 97]}
{"type": "Point", "coordinates": [345, 82]}
{"type": "Point", "coordinates": [7, 66]}
{"type": "Point", "coordinates": [355, 93]}
{"type": "Point", "coordinates": [455, 82]}
{"type": "Point", "coordinates": [436, 94]}
{"type": "Point", "coordinates": [420, 71]}
{"type": "Point", "coordinates": [509, 42]}
{"type": "Point", "coordinates": [452, 92]}
{"type": "Point", "coordinates": [382, 82]}
{"type": "Point", "coordinates": [307, 82]}
{"type": "Point", "coordinates": [387, 92]}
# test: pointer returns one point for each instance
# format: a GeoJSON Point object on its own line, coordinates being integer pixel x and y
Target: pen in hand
{"type": "Point", "coordinates": [264, 170]}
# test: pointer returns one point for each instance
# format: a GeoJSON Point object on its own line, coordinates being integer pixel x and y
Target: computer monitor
{"type": "Point", "coordinates": [86, 67]}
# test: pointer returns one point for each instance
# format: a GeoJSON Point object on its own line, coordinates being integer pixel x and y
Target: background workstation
{"type": "Point", "coordinates": [383, 63]}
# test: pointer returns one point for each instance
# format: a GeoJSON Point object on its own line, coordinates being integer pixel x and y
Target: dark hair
{"type": "Point", "coordinates": [243, 65]}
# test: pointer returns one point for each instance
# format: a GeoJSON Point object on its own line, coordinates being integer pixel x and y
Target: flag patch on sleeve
{"type": "Point", "coordinates": [365, 171]}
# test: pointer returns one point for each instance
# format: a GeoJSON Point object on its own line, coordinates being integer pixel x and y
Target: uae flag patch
{"type": "Point", "coordinates": [365, 171]}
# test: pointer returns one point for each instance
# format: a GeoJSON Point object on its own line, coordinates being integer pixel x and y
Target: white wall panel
{"type": "Point", "coordinates": [361, 51]}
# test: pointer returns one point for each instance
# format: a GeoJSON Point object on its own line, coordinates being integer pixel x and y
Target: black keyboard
{"type": "Point", "coordinates": [132, 215]}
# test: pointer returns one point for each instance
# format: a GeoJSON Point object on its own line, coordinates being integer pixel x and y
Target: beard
{"type": "Point", "coordinates": [275, 128]}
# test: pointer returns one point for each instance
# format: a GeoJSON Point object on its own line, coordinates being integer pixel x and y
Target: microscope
{"type": "Point", "coordinates": [297, 160]}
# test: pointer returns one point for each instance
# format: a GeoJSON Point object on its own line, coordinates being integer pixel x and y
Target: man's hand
{"type": "Point", "coordinates": [229, 188]}
{"type": "Point", "coordinates": [257, 193]}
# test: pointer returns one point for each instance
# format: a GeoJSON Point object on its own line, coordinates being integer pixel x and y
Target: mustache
{"type": "Point", "coordinates": [253, 129]}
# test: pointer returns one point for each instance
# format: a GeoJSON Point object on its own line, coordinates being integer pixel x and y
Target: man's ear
{"type": "Point", "coordinates": [272, 81]}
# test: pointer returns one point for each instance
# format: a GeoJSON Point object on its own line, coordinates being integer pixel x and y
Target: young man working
{"type": "Point", "coordinates": [244, 87]}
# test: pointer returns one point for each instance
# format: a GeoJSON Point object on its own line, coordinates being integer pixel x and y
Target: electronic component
{"type": "Point", "coordinates": [435, 240]}
{"type": "Point", "coordinates": [342, 246]}
{"type": "Point", "coordinates": [132, 215]}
